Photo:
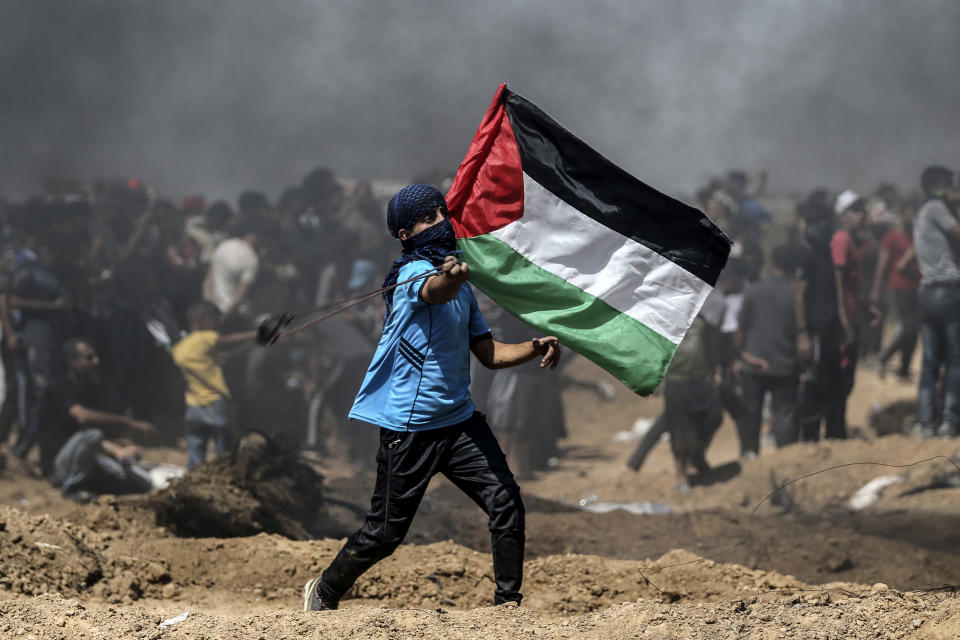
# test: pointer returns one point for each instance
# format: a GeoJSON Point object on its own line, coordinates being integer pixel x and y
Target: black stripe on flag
{"type": "Point", "coordinates": [574, 172]}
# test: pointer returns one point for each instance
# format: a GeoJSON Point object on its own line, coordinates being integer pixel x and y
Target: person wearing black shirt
{"type": "Point", "coordinates": [74, 454]}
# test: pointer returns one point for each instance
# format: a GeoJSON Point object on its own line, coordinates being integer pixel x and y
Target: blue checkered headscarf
{"type": "Point", "coordinates": [411, 202]}
{"type": "Point", "coordinates": [433, 244]}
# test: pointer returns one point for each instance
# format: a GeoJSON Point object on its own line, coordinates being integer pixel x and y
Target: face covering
{"type": "Point", "coordinates": [436, 239]}
{"type": "Point", "coordinates": [433, 244]}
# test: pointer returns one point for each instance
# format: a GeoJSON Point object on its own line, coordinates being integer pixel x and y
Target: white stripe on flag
{"type": "Point", "coordinates": [623, 273]}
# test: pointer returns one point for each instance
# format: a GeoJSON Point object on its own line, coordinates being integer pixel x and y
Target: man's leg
{"type": "Point", "coordinates": [74, 464]}
{"type": "Point", "coordinates": [950, 424]}
{"type": "Point", "coordinates": [834, 384]}
{"type": "Point", "coordinates": [38, 345]}
{"type": "Point", "coordinates": [478, 467]}
{"type": "Point", "coordinates": [9, 411]}
{"type": "Point", "coordinates": [934, 344]}
{"type": "Point", "coordinates": [108, 475]}
{"type": "Point", "coordinates": [405, 463]}
{"type": "Point", "coordinates": [784, 397]}
{"type": "Point", "coordinates": [749, 425]}
{"type": "Point", "coordinates": [810, 398]}
{"type": "Point", "coordinates": [896, 341]}
{"type": "Point", "coordinates": [223, 439]}
{"type": "Point", "coordinates": [709, 420]}
{"type": "Point", "coordinates": [22, 377]}
{"type": "Point", "coordinates": [682, 401]}
{"type": "Point", "coordinates": [906, 335]}
{"type": "Point", "coordinates": [195, 434]}
{"type": "Point", "coordinates": [730, 398]}
{"type": "Point", "coordinates": [646, 444]}
{"type": "Point", "coordinates": [910, 323]}
{"type": "Point", "coordinates": [223, 429]}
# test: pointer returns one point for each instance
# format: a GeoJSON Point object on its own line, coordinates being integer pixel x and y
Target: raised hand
{"type": "Point", "coordinates": [549, 347]}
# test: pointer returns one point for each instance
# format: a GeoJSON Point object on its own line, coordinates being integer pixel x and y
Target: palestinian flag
{"type": "Point", "coordinates": [578, 248]}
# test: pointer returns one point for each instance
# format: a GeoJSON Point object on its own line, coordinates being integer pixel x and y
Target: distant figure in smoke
{"type": "Point", "coordinates": [897, 270]}
{"type": "Point", "coordinates": [416, 391]}
{"type": "Point", "coordinates": [936, 235]}
{"type": "Point", "coordinates": [233, 268]}
{"type": "Point", "coordinates": [691, 401]}
{"type": "Point", "coordinates": [829, 275]}
{"type": "Point", "coordinates": [37, 297]}
{"type": "Point", "coordinates": [708, 332]}
{"type": "Point", "coordinates": [768, 340]}
{"type": "Point", "coordinates": [207, 396]}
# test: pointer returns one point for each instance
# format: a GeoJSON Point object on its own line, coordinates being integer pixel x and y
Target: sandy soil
{"type": "Point", "coordinates": [729, 561]}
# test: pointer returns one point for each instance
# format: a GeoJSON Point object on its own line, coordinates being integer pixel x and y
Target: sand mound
{"type": "Point", "coordinates": [43, 554]}
{"type": "Point", "coordinates": [263, 488]}
{"type": "Point", "coordinates": [894, 417]}
{"type": "Point", "coordinates": [797, 567]}
{"type": "Point", "coordinates": [878, 615]}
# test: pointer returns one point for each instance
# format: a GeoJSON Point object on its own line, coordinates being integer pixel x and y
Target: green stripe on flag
{"type": "Point", "coordinates": [635, 354]}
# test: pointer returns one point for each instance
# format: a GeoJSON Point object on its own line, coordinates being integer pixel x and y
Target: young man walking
{"type": "Point", "coordinates": [416, 391]}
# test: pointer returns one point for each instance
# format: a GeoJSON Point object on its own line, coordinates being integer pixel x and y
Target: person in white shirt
{"type": "Point", "coordinates": [233, 268]}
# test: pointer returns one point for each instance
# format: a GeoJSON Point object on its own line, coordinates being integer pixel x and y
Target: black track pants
{"type": "Point", "coordinates": [469, 455]}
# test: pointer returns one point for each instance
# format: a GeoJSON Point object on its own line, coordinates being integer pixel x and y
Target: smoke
{"type": "Point", "coordinates": [222, 95]}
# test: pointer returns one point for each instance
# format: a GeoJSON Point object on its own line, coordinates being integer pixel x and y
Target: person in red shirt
{"type": "Point", "coordinates": [897, 266]}
{"type": "Point", "coordinates": [847, 248]}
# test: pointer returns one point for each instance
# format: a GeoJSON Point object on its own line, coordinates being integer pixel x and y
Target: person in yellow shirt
{"type": "Point", "coordinates": [207, 396]}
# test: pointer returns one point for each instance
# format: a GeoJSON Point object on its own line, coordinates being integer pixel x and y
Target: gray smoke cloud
{"type": "Point", "coordinates": [222, 95]}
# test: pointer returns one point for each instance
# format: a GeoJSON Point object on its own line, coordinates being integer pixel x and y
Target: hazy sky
{"type": "Point", "coordinates": [216, 96]}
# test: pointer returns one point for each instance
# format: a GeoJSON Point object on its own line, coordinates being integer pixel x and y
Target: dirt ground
{"type": "Point", "coordinates": [727, 560]}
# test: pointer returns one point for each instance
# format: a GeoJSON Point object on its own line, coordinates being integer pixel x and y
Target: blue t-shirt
{"type": "Point", "coordinates": [420, 374]}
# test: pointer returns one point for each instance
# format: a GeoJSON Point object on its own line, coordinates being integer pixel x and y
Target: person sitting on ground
{"type": "Point", "coordinates": [207, 396]}
{"type": "Point", "coordinates": [74, 454]}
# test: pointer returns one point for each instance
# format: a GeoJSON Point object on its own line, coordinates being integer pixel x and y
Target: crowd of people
{"type": "Point", "coordinates": [126, 314]}
{"type": "Point", "coordinates": [792, 323]}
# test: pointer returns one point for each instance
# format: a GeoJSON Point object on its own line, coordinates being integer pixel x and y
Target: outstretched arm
{"type": "Point", "coordinates": [231, 339]}
{"type": "Point", "coordinates": [85, 415]}
{"type": "Point", "coordinates": [500, 355]}
{"type": "Point", "coordinates": [444, 287]}
{"type": "Point", "coordinates": [119, 451]}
